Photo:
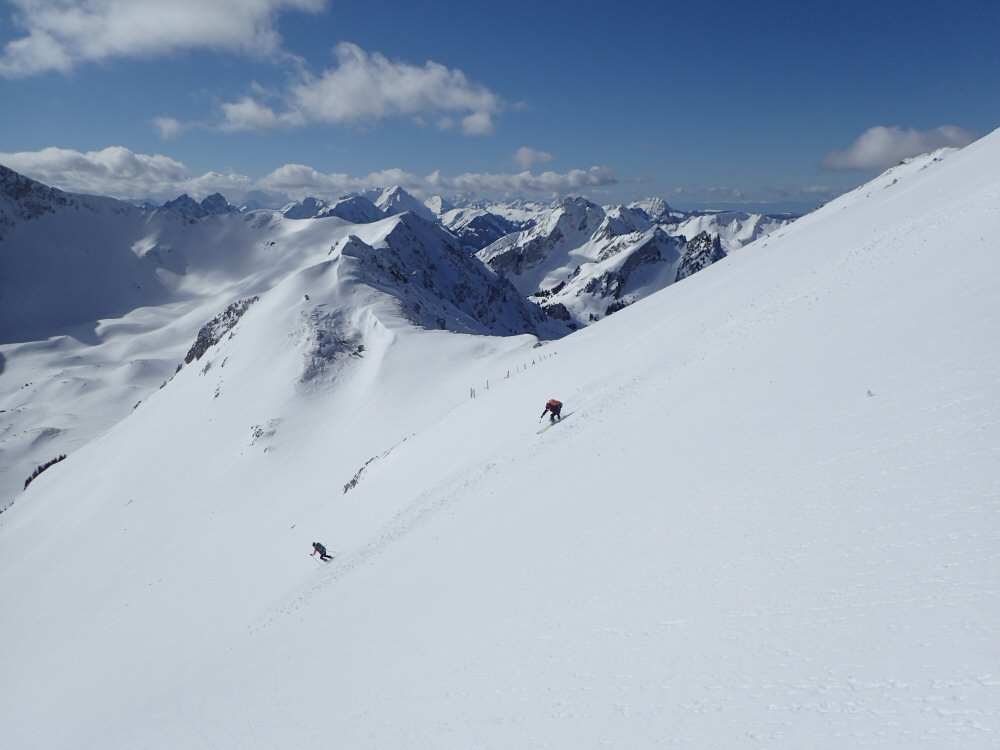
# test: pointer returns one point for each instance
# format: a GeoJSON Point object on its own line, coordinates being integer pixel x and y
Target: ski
{"type": "Point", "coordinates": [553, 424]}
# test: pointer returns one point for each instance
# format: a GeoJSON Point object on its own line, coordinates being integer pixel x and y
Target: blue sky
{"type": "Point", "coordinates": [770, 104]}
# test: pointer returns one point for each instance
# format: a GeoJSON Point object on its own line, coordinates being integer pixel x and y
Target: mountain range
{"type": "Point", "coordinates": [75, 270]}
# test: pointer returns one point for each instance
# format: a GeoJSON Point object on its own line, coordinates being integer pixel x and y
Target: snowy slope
{"type": "Point", "coordinates": [769, 518]}
{"type": "Point", "coordinates": [100, 301]}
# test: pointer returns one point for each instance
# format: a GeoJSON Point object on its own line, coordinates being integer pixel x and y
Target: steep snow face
{"type": "Point", "coordinates": [395, 201]}
{"type": "Point", "coordinates": [440, 286]}
{"type": "Point", "coordinates": [766, 520]}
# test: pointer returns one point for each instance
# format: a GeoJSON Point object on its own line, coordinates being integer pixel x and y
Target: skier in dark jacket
{"type": "Point", "coordinates": [555, 407]}
{"type": "Point", "coordinates": [317, 547]}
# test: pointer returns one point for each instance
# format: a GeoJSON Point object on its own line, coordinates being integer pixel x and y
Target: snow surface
{"type": "Point", "coordinates": [770, 518]}
{"type": "Point", "coordinates": [75, 362]}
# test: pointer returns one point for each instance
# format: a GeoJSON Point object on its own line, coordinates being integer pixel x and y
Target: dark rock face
{"type": "Point", "coordinates": [212, 332]}
{"type": "Point", "coordinates": [702, 251]}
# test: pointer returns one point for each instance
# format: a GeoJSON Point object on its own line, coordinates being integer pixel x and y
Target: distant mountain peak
{"type": "Point", "coordinates": [656, 209]}
{"type": "Point", "coordinates": [213, 205]}
{"type": "Point", "coordinates": [438, 205]}
{"type": "Point", "coordinates": [356, 209]}
{"type": "Point", "coordinates": [395, 200]}
{"type": "Point", "coordinates": [307, 208]}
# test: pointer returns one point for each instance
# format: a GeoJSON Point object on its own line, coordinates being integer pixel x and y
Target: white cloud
{"type": "Point", "coordinates": [167, 127]}
{"type": "Point", "coordinates": [527, 184]}
{"type": "Point", "coordinates": [58, 34]}
{"type": "Point", "coordinates": [249, 114]}
{"type": "Point", "coordinates": [526, 157]}
{"type": "Point", "coordinates": [302, 180]}
{"type": "Point", "coordinates": [365, 87]}
{"type": "Point", "coordinates": [114, 171]}
{"type": "Point", "coordinates": [881, 147]}
{"type": "Point", "coordinates": [478, 123]}
{"type": "Point", "coordinates": [121, 173]}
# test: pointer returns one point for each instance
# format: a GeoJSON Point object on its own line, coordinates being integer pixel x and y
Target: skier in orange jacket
{"type": "Point", "coordinates": [553, 406]}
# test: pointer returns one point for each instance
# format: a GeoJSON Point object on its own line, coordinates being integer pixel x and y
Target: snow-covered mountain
{"type": "Point", "coordinates": [584, 262]}
{"type": "Point", "coordinates": [733, 228]}
{"type": "Point", "coordinates": [476, 227]}
{"type": "Point", "coordinates": [539, 258]}
{"type": "Point", "coordinates": [355, 209]}
{"type": "Point", "coordinates": [307, 208]}
{"type": "Point", "coordinates": [213, 205]}
{"type": "Point", "coordinates": [395, 200]}
{"type": "Point", "coordinates": [154, 278]}
{"type": "Point", "coordinates": [438, 205]}
{"type": "Point", "coordinates": [766, 520]}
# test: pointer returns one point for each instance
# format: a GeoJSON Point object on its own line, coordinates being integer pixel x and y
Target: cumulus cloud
{"type": "Point", "coordinates": [121, 173]}
{"type": "Point", "coordinates": [881, 147]}
{"type": "Point", "coordinates": [526, 157]}
{"type": "Point", "coordinates": [58, 35]}
{"type": "Point", "coordinates": [114, 171]}
{"type": "Point", "coordinates": [364, 88]}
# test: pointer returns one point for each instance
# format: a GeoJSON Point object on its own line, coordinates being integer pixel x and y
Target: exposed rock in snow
{"type": "Point", "coordinates": [701, 252]}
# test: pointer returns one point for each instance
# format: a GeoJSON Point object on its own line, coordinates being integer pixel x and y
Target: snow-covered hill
{"type": "Point", "coordinates": [768, 519]}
